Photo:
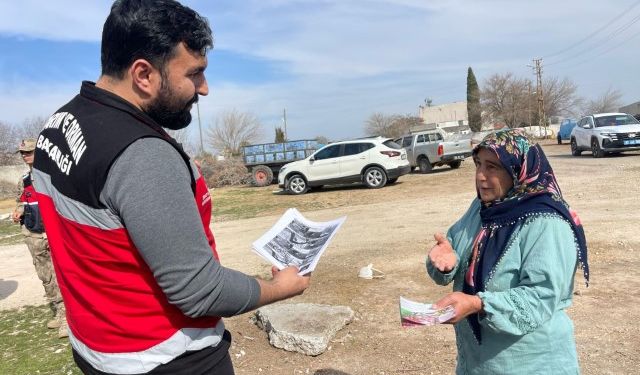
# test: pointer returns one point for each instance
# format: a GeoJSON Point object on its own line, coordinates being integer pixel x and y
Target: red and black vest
{"type": "Point", "coordinates": [119, 318]}
{"type": "Point", "coordinates": [31, 218]}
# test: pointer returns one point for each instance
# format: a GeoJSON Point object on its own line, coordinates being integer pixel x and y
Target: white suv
{"type": "Point", "coordinates": [602, 133]}
{"type": "Point", "coordinates": [374, 162]}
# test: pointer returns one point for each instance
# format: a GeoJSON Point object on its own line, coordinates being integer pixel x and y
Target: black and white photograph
{"type": "Point", "coordinates": [294, 240]}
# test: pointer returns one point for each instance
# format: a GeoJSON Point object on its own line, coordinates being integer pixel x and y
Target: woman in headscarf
{"type": "Point", "coordinates": [512, 258]}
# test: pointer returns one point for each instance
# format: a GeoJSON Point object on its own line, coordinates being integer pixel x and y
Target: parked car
{"type": "Point", "coordinates": [602, 133]}
{"type": "Point", "coordinates": [374, 162]}
{"type": "Point", "coordinates": [566, 126]}
{"type": "Point", "coordinates": [432, 148]}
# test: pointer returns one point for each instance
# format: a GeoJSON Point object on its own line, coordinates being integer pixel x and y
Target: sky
{"type": "Point", "coordinates": [332, 63]}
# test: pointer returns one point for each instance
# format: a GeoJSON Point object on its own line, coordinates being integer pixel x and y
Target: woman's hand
{"type": "Point", "coordinates": [463, 305]}
{"type": "Point", "coordinates": [442, 255]}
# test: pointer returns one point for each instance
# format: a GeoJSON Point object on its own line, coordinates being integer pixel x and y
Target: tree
{"type": "Point", "coordinates": [402, 124]}
{"type": "Point", "coordinates": [378, 124]}
{"type": "Point", "coordinates": [8, 144]}
{"type": "Point", "coordinates": [31, 127]}
{"type": "Point", "coordinates": [182, 137]}
{"type": "Point", "coordinates": [391, 126]}
{"type": "Point", "coordinates": [234, 130]}
{"type": "Point", "coordinates": [280, 135]}
{"type": "Point", "coordinates": [560, 97]}
{"type": "Point", "coordinates": [507, 99]}
{"type": "Point", "coordinates": [609, 101]}
{"type": "Point", "coordinates": [474, 111]}
{"type": "Point", "coordinates": [321, 139]}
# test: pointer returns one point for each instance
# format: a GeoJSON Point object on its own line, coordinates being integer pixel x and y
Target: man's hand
{"type": "Point", "coordinates": [15, 216]}
{"type": "Point", "coordinates": [285, 284]}
{"type": "Point", "coordinates": [463, 305]}
{"type": "Point", "coordinates": [442, 255]}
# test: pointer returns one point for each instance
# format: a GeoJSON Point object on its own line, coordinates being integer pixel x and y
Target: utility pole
{"type": "Point", "coordinates": [542, 121]}
{"type": "Point", "coordinates": [529, 101]}
{"type": "Point", "coordinates": [200, 127]}
{"type": "Point", "coordinates": [284, 118]}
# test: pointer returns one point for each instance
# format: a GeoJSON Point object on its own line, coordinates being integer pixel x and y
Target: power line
{"type": "Point", "coordinates": [593, 33]}
{"type": "Point", "coordinates": [633, 36]}
{"type": "Point", "coordinates": [602, 42]}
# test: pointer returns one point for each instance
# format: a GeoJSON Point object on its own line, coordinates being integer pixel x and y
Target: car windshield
{"type": "Point", "coordinates": [615, 120]}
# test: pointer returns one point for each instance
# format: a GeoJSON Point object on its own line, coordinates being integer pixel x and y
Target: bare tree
{"type": "Point", "coordinates": [31, 127]}
{"type": "Point", "coordinates": [607, 102]}
{"type": "Point", "coordinates": [507, 99]}
{"type": "Point", "coordinates": [560, 97]}
{"type": "Point", "coordinates": [182, 137]}
{"type": "Point", "coordinates": [402, 124]}
{"type": "Point", "coordinates": [232, 131]}
{"type": "Point", "coordinates": [8, 144]}
{"type": "Point", "coordinates": [321, 139]}
{"type": "Point", "coordinates": [391, 126]}
{"type": "Point", "coordinates": [378, 124]}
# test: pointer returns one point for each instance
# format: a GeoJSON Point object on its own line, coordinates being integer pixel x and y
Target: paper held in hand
{"type": "Point", "coordinates": [294, 240]}
{"type": "Point", "coordinates": [421, 314]}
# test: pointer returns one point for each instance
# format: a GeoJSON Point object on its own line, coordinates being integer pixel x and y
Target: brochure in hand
{"type": "Point", "coordinates": [421, 314]}
{"type": "Point", "coordinates": [294, 240]}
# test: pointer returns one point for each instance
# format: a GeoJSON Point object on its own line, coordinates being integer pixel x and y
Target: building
{"type": "Point", "coordinates": [632, 109]}
{"type": "Point", "coordinates": [451, 117]}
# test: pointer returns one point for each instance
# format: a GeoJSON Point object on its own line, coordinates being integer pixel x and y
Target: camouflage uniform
{"type": "Point", "coordinates": [41, 255]}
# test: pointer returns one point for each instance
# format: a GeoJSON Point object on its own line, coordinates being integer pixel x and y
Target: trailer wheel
{"type": "Point", "coordinates": [261, 175]}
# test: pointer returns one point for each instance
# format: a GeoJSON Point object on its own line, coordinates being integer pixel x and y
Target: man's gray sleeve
{"type": "Point", "coordinates": [149, 187]}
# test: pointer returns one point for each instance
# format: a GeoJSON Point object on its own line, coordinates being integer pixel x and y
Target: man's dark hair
{"type": "Point", "coordinates": [150, 30]}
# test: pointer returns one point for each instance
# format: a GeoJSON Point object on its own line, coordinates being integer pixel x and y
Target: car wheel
{"type": "Point", "coordinates": [296, 184]}
{"type": "Point", "coordinates": [596, 151]}
{"type": "Point", "coordinates": [455, 164]}
{"type": "Point", "coordinates": [424, 165]}
{"type": "Point", "coordinates": [375, 178]}
{"type": "Point", "coordinates": [392, 181]}
{"type": "Point", "coordinates": [574, 148]}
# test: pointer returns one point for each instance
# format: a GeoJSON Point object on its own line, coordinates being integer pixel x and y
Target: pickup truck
{"type": "Point", "coordinates": [432, 148]}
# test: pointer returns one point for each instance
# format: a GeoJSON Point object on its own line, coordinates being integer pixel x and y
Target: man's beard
{"type": "Point", "coordinates": [167, 112]}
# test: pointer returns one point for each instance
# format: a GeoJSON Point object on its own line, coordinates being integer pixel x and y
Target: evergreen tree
{"type": "Point", "coordinates": [280, 135]}
{"type": "Point", "coordinates": [473, 102]}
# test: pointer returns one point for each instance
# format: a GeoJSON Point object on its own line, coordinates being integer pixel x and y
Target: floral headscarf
{"type": "Point", "coordinates": [535, 191]}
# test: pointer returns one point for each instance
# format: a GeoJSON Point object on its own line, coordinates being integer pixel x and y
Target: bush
{"type": "Point", "coordinates": [228, 172]}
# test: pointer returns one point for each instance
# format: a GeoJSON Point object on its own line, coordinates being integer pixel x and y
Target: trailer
{"type": "Point", "coordinates": [265, 160]}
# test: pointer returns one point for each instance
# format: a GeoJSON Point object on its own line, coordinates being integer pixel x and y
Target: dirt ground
{"type": "Point", "coordinates": [393, 229]}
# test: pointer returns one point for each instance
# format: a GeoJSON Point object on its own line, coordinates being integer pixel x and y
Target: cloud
{"type": "Point", "coordinates": [343, 60]}
{"type": "Point", "coordinates": [54, 20]}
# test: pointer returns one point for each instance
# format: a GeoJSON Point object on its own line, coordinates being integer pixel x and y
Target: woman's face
{"type": "Point", "coordinates": [492, 180]}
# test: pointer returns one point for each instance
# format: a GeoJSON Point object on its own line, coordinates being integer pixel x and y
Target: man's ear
{"type": "Point", "coordinates": [145, 78]}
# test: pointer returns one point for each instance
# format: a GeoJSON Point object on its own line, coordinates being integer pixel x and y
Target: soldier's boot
{"type": "Point", "coordinates": [63, 331]}
{"type": "Point", "coordinates": [60, 320]}
{"type": "Point", "coordinates": [55, 322]}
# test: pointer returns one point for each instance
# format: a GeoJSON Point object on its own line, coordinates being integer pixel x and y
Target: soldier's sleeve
{"type": "Point", "coordinates": [20, 197]}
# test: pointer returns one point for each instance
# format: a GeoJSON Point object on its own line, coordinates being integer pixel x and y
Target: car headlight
{"type": "Point", "coordinates": [283, 168]}
{"type": "Point", "coordinates": [610, 135]}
